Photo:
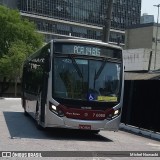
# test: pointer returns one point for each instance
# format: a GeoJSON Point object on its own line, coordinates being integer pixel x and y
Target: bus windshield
{"type": "Point", "coordinates": [86, 79]}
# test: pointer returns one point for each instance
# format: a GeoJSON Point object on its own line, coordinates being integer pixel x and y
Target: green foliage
{"type": "Point", "coordinates": [14, 28]}
{"type": "Point", "coordinates": [18, 39]}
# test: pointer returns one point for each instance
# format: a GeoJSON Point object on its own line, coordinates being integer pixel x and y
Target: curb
{"type": "Point", "coordinates": [140, 131]}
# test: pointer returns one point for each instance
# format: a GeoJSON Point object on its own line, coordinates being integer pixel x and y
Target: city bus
{"type": "Point", "coordinates": [74, 84]}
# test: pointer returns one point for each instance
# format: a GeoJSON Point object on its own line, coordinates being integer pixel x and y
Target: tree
{"type": "Point", "coordinates": [18, 39]}
{"type": "Point", "coordinates": [107, 25]}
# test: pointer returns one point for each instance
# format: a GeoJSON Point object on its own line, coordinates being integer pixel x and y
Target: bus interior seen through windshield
{"type": "Point", "coordinates": [86, 79]}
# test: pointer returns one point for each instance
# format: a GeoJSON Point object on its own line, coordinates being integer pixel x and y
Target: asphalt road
{"type": "Point", "coordinates": [19, 133]}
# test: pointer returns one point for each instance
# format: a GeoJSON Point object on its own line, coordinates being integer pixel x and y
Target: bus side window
{"type": "Point", "coordinates": [47, 65]}
{"type": "Point", "coordinates": [33, 79]}
{"type": "Point", "coordinates": [36, 66]}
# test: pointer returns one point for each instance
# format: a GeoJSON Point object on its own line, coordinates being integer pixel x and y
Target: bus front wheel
{"type": "Point", "coordinates": [95, 131]}
{"type": "Point", "coordinates": [24, 107]}
{"type": "Point", "coordinates": [37, 118]}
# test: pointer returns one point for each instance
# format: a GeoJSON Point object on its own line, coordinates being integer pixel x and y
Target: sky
{"type": "Point", "coordinates": [147, 7]}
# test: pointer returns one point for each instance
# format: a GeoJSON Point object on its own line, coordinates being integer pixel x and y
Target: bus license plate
{"type": "Point", "coordinates": [87, 127]}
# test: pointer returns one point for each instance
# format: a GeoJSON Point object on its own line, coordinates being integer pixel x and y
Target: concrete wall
{"type": "Point", "coordinates": [154, 37]}
{"type": "Point", "coordinates": [138, 59]}
{"type": "Point", "coordinates": [143, 36]}
{"type": "Point", "coordinates": [139, 38]}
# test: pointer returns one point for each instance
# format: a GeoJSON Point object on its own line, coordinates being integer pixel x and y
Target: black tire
{"type": "Point", "coordinates": [37, 117]}
{"type": "Point", "coordinates": [95, 131]}
{"type": "Point", "coordinates": [39, 127]}
{"type": "Point", "coordinates": [24, 107]}
{"type": "Point", "coordinates": [26, 113]}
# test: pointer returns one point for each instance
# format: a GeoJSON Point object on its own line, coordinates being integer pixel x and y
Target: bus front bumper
{"type": "Point", "coordinates": [63, 122]}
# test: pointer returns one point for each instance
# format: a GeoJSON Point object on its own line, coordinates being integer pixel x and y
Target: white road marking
{"type": "Point", "coordinates": [154, 145]}
{"type": "Point", "coordinates": [12, 98]}
{"type": "Point", "coordinates": [99, 158]}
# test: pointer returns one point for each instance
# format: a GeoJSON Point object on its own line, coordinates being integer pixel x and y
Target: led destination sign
{"type": "Point", "coordinates": [88, 50]}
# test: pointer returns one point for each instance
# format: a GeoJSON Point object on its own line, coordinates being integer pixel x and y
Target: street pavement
{"type": "Point", "coordinates": [19, 133]}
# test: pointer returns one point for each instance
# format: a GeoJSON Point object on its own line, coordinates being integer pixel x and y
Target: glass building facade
{"type": "Point", "coordinates": [84, 11]}
{"type": "Point", "coordinates": [81, 18]}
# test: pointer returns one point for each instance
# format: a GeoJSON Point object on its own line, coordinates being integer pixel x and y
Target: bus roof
{"type": "Point", "coordinates": [88, 41]}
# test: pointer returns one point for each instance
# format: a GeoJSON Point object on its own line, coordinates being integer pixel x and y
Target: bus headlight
{"type": "Point", "coordinates": [53, 107]}
{"type": "Point", "coordinates": [114, 114]}
{"type": "Point", "coordinates": [56, 110]}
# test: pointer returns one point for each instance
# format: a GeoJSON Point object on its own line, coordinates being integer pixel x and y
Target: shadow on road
{"type": "Point", "coordinates": [20, 126]}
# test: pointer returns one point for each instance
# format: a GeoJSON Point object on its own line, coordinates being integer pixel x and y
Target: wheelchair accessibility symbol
{"type": "Point", "coordinates": [91, 97]}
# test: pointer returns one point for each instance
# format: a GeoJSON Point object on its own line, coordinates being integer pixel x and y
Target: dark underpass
{"type": "Point", "coordinates": [141, 106]}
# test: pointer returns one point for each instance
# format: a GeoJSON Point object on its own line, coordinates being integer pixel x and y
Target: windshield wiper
{"type": "Point", "coordinates": [100, 69]}
{"type": "Point", "coordinates": [76, 66]}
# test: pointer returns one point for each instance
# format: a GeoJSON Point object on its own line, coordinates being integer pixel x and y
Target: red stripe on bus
{"type": "Point", "coordinates": [85, 114]}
